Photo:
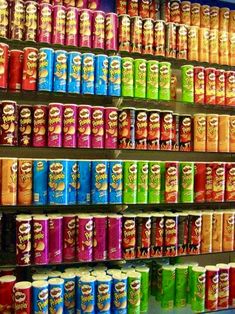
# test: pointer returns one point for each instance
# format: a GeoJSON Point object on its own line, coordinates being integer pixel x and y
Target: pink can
{"type": "Point", "coordinates": [40, 126]}
{"type": "Point", "coordinates": [69, 238]}
{"type": "Point", "coordinates": [71, 31]}
{"type": "Point", "coordinates": [84, 126]}
{"type": "Point", "coordinates": [97, 130]}
{"type": "Point", "coordinates": [69, 3]}
{"type": "Point", "coordinates": [40, 239]}
{"type": "Point", "coordinates": [100, 238]}
{"type": "Point", "coordinates": [44, 23]}
{"type": "Point", "coordinates": [59, 19]}
{"type": "Point", "coordinates": [93, 4]}
{"type": "Point", "coordinates": [23, 240]}
{"type": "Point", "coordinates": [98, 29]}
{"type": "Point", "coordinates": [114, 237]}
{"type": "Point", "coordinates": [85, 238]}
{"type": "Point", "coordinates": [111, 35]}
{"type": "Point", "coordinates": [85, 28]}
{"type": "Point", "coordinates": [82, 4]}
{"type": "Point", "coordinates": [17, 14]}
{"type": "Point", "coordinates": [70, 126]}
{"type": "Point", "coordinates": [55, 239]}
{"type": "Point", "coordinates": [55, 121]}
{"type": "Point", "coordinates": [111, 127]}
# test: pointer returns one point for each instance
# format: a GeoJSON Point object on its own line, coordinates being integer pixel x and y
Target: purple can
{"type": "Point", "coordinates": [84, 126]}
{"type": "Point", "coordinates": [40, 240]}
{"type": "Point", "coordinates": [39, 125]}
{"type": "Point", "coordinates": [69, 237]}
{"type": "Point", "coordinates": [25, 125]}
{"type": "Point", "coordinates": [114, 237]}
{"type": "Point", "coordinates": [55, 122]}
{"type": "Point", "coordinates": [55, 239]}
{"type": "Point", "coordinates": [44, 23]}
{"type": "Point", "coordinates": [70, 125]}
{"type": "Point", "coordinates": [82, 4]}
{"type": "Point", "coordinates": [93, 4]}
{"type": "Point", "coordinates": [100, 238]}
{"type": "Point", "coordinates": [17, 14]}
{"type": "Point", "coordinates": [84, 238]}
{"type": "Point", "coordinates": [59, 14]}
{"type": "Point", "coordinates": [111, 127]}
{"type": "Point", "coordinates": [31, 20]}
{"type": "Point", "coordinates": [97, 130]}
{"type": "Point", "coordinates": [85, 28]}
{"type": "Point", "coordinates": [71, 31]}
{"type": "Point", "coordinates": [111, 26]}
{"type": "Point", "coordinates": [98, 29]}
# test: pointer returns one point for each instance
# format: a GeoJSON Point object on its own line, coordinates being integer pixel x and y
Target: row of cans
{"type": "Point", "coordinates": [80, 4]}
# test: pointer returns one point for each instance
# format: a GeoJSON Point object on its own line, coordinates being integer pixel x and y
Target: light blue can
{"type": "Point", "coordinates": [87, 294]}
{"type": "Point", "coordinates": [103, 294]}
{"type": "Point", "coordinates": [79, 275]}
{"type": "Point", "coordinates": [40, 172]}
{"type": "Point", "coordinates": [88, 73]}
{"type": "Point", "coordinates": [58, 182]}
{"type": "Point", "coordinates": [69, 293]}
{"type": "Point", "coordinates": [74, 72]}
{"type": "Point", "coordinates": [56, 295]}
{"type": "Point", "coordinates": [99, 182]}
{"type": "Point", "coordinates": [40, 296]}
{"type": "Point", "coordinates": [73, 174]}
{"type": "Point", "coordinates": [115, 182]}
{"type": "Point", "coordinates": [119, 294]}
{"type": "Point", "coordinates": [45, 69]}
{"type": "Point", "coordinates": [114, 77]}
{"type": "Point", "coordinates": [101, 75]}
{"type": "Point", "coordinates": [60, 71]}
{"type": "Point", "coordinates": [84, 182]}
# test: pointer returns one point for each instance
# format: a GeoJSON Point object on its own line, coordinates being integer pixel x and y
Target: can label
{"type": "Point", "coordinates": [74, 72]}
{"type": "Point", "coordinates": [115, 182]}
{"type": "Point", "coordinates": [212, 289]}
{"type": "Point", "coordinates": [154, 183]}
{"type": "Point", "coordinates": [58, 34]}
{"type": "Point", "coordinates": [195, 224]}
{"type": "Point", "coordinates": [220, 87]}
{"type": "Point", "coordinates": [111, 128]}
{"type": "Point", "coordinates": [182, 41]}
{"type": "Point", "coordinates": [132, 8]}
{"type": "Point", "coordinates": [187, 182]}
{"type": "Point", "coordinates": [171, 182]}
{"type": "Point", "coordinates": [97, 127]}
{"type": "Point", "coordinates": [4, 65]}
{"type": "Point", "coordinates": [205, 16]}
{"type": "Point", "coordinates": [183, 234]}
{"type": "Point", "coordinates": [129, 237]}
{"type": "Point", "coordinates": [175, 11]}
{"type": "Point", "coordinates": [193, 43]}
{"type": "Point", "coordinates": [199, 85]}
{"type": "Point", "coordinates": [200, 132]}
{"type": "Point", "coordinates": [84, 126]}
{"type": "Point", "coordinates": [60, 71]}
{"type": "Point", "coordinates": [25, 126]}
{"type": "Point", "coordinates": [153, 137]}
{"type": "Point", "coordinates": [141, 129]}
{"type": "Point", "coordinates": [209, 182]}
{"type": "Point", "coordinates": [85, 239]}
{"type": "Point", "coordinates": [185, 133]}
{"type": "Point", "coordinates": [31, 20]}
{"type": "Point", "coordinates": [8, 123]}
{"type": "Point", "coordinates": [159, 38]}
{"type": "Point", "coordinates": [232, 133]}
{"type": "Point", "coordinates": [143, 237]}
{"type": "Point", "coordinates": [230, 87]}
{"type": "Point", "coordinates": [157, 236]}
{"type": "Point", "coordinates": [171, 235]}
{"type": "Point", "coordinates": [164, 80]}
{"type": "Point", "coordinates": [127, 77]}
{"type": "Point", "coordinates": [166, 130]}
{"type": "Point", "coordinates": [195, 14]}
{"type": "Point", "coordinates": [45, 72]}
{"type": "Point", "coordinates": [55, 125]}
{"type": "Point", "coordinates": [4, 19]}
{"type": "Point", "coordinates": [171, 40]}
{"type": "Point", "coordinates": [121, 7]}
{"type": "Point", "coordinates": [99, 189]}
{"type": "Point", "coordinates": [30, 69]}
{"type": "Point", "coordinates": [45, 23]}
{"type": "Point", "coordinates": [17, 20]}
{"type": "Point", "coordinates": [58, 182]}
{"type": "Point", "coordinates": [212, 133]}
{"type": "Point", "coordinates": [111, 23]}
{"type": "Point", "coordinates": [223, 296]}
{"type": "Point", "coordinates": [39, 126]}
{"type": "Point", "coordinates": [136, 34]}
{"type": "Point", "coordinates": [88, 73]}
{"type": "Point", "coordinates": [185, 10]}
{"type": "Point", "coordinates": [199, 182]}
{"type": "Point", "coordinates": [230, 182]}
{"type": "Point", "coordinates": [114, 78]}
{"type": "Point", "coordinates": [71, 27]}
{"type": "Point", "coordinates": [218, 182]}
{"type": "Point", "coordinates": [124, 32]}
{"type": "Point", "coordinates": [23, 242]}
{"type": "Point", "coordinates": [69, 125]}
{"type": "Point", "coordinates": [126, 129]}
{"type": "Point", "coordinates": [148, 30]}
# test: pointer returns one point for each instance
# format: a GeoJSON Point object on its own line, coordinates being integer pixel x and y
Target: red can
{"type": "Point", "coordinates": [175, 132]}
{"type": "Point", "coordinates": [84, 126]}
{"type": "Point", "coordinates": [154, 10]}
{"type": "Point", "coordinates": [40, 126]}
{"type": "Point", "coordinates": [129, 236]}
{"type": "Point", "coordinates": [183, 233]}
{"type": "Point", "coordinates": [182, 41]}
{"type": "Point", "coordinates": [126, 128]}
{"type": "Point", "coordinates": [157, 235]}
{"type": "Point", "coordinates": [98, 30]}
{"type": "Point", "coordinates": [17, 25]}
{"type": "Point", "coordinates": [171, 182]}
{"type": "Point", "coordinates": [111, 127]}
{"type": "Point", "coordinates": [175, 11]}
{"type": "Point", "coordinates": [230, 88]}
{"type": "Point", "coordinates": [199, 182]}
{"type": "Point", "coordinates": [218, 178]}
{"type": "Point", "coordinates": [111, 25]}
{"type": "Point", "coordinates": [171, 40]}
{"type": "Point", "coordinates": [4, 19]}
{"type": "Point", "coordinates": [195, 226]}
{"type": "Point", "coordinates": [144, 8]}
{"type": "Point", "coordinates": [132, 7]}
{"type": "Point", "coordinates": [143, 236]}
{"type": "Point", "coordinates": [23, 240]}
{"type": "Point", "coordinates": [185, 133]}
{"type": "Point", "coordinates": [223, 296]}
{"type": "Point", "coordinates": [230, 182]}
{"type": "Point", "coordinates": [31, 19]}
{"type": "Point", "coordinates": [69, 237]}
{"type": "Point", "coordinates": [25, 125]}
{"type": "Point", "coordinates": [209, 182]}
{"type": "Point", "coordinates": [124, 32]}
{"type": "Point", "coordinates": [121, 7]}
{"type": "Point", "coordinates": [30, 62]}
{"type": "Point", "coordinates": [199, 85]}
{"type": "Point", "coordinates": [141, 129]}
{"type": "Point", "coordinates": [148, 36]}
{"type": "Point", "coordinates": [210, 86]}
{"type": "Point", "coordinates": [97, 127]}
{"type": "Point", "coordinates": [232, 284]}
{"type": "Point", "coordinates": [153, 134]}
{"type": "Point", "coordinates": [22, 297]}
{"type": "Point", "coordinates": [6, 293]}
{"type": "Point", "coordinates": [212, 288]}
{"type": "Point", "coordinates": [4, 50]}
{"type": "Point", "coordinates": [220, 87]}
{"type": "Point", "coordinates": [15, 69]}
{"type": "Point", "coordinates": [171, 235]}
{"type": "Point", "coordinates": [136, 34]}
{"type": "Point", "coordinates": [8, 123]}
{"type": "Point", "coordinates": [159, 38]}
{"type": "Point", "coordinates": [166, 124]}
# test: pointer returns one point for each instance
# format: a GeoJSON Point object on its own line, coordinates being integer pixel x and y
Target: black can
{"type": "Point", "coordinates": [185, 133]}
{"type": "Point", "coordinates": [175, 132]}
{"type": "Point", "coordinates": [183, 233]}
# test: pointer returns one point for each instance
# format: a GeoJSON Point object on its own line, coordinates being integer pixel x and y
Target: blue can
{"type": "Point", "coordinates": [119, 294]}
{"type": "Point", "coordinates": [56, 295]}
{"type": "Point", "coordinates": [58, 182]}
{"type": "Point", "coordinates": [45, 69]}
{"type": "Point", "coordinates": [84, 182]}
{"type": "Point", "coordinates": [115, 182]}
{"type": "Point", "coordinates": [99, 182]}
{"type": "Point", "coordinates": [79, 274]}
{"type": "Point", "coordinates": [74, 72]}
{"type": "Point", "coordinates": [69, 293]}
{"type": "Point", "coordinates": [60, 71]}
{"type": "Point", "coordinates": [87, 294]}
{"type": "Point", "coordinates": [40, 297]}
{"type": "Point", "coordinates": [88, 73]}
{"type": "Point", "coordinates": [114, 77]}
{"type": "Point", "coordinates": [103, 294]}
{"type": "Point", "coordinates": [72, 175]}
{"type": "Point", "coordinates": [101, 74]}
{"type": "Point", "coordinates": [40, 172]}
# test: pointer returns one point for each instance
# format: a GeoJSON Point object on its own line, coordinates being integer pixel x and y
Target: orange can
{"type": "Point", "coordinates": [224, 19]}
{"type": "Point", "coordinates": [206, 242]}
{"type": "Point", "coordinates": [223, 48]}
{"type": "Point", "coordinates": [223, 133]}
{"type": "Point", "coordinates": [214, 46]}
{"type": "Point", "coordinates": [230, 88]}
{"type": "Point", "coordinates": [231, 48]}
{"type": "Point", "coordinates": [228, 231]}
{"type": "Point", "coordinates": [25, 181]}
{"type": "Point", "coordinates": [204, 34]}
{"type": "Point", "coordinates": [195, 14]}
{"type": "Point", "coordinates": [193, 43]}
{"type": "Point", "coordinates": [212, 133]}
{"type": "Point", "coordinates": [231, 25]}
{"type": "Point", "coordinates": [9, 181]}
{"type": "Point", "coordinates": [232, 134]}
{"type": "Point", "coordinates": [199, 132]}
{"type": "Point", "coordinates": [175, 11]}
{"type": "Point", "coordinates": [214, 17]}
{"type": "Point", "coordinates": [205, 16]}
{"type": "Point", "coordinates": [185, 11]}
{"type": "Point", "coordinates": [217, 228]}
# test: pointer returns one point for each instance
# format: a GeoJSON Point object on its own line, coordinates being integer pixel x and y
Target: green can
{"type": "Point", "coordinates": [190, 281]}
{"type": "Point", "coordinates": [156, 278]}
{"type": "Point", "coordinates": [164, 80]}
{"type": "Point", "coordinates": [127, 77]}
{"type": "Point", "coordinates": [140, 78]}
{"type": "Point", "coordinates": [187, 79]}
{"type": "Point", "coordinates": [133, 292]}
{"type": "Point", "coordinates": [144, 293]}
{"type": "Point", "coordinates": [163, 172]}
{"type": "Point", "coordinates": [198, 289]}
{"type": "Point", "coordinates": [187, 182]}
{"type": "Point", "coordinates": [152, 79]}
{"type": "Point", "coordinates": [168, 287]}
{"type": "Point", "coordinates": [142, 182]}
{"type": "Point", "coordinates": [154, 182]}
{"type": "Point", "coordinates": [181, 285]}
{"type": "Point", "coordinates": [129, 182]}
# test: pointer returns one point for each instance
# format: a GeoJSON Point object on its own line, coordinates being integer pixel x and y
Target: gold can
{"type": "Point", "coordinates": [173, 87]}
{"type": "Point", "coordinates": [195, 14]}
{"type": "Point", "coordinates": [228, 231]}
{"type": "Point", "coordinates": [193, 42]}
{"type": "Point", "coordinates": [214, 17]}
{"type": "Point", "coordinates": [232, 49]}
{"type": "Point", "coordinates": [199, 120]}
{"type": "Point", "coordinates": [185, 11]}
{"type": "Point", "coordinates": [204, 34]}
{"type": "Point", "coordinates": [224, 19]}
{"type": "Point", "coordinates": [224, 133]}
{"type": "Point", "coordinates": [205, 16]}
{"type": "Point", "coordinates": [214, 46]}
{"type": "Point", "coordinates": [212, 126]}
{"type": "Point", "coordinates": [223, 48]}
{"type": "Point", "coordinates": [206, 243]}
{"type": "Point", "coordinates": [25, 181]}
{"type": "Point", "coordinates": [217, 228]}
{"type": "Point", "coordinates": [231, 25]}
{"type": "Point", "coordinates": [9, 169]}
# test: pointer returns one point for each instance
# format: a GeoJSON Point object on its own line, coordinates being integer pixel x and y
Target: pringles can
{"type": "Point", "coordinates": [55, 235]}
{"type": "Point", "coordinates": [40, 296]}
{"type": "Point", "coordinates": [136, 34]}
{"type": "Point", "coordinates": [115, 231]}
{"type": "Point", "coordinates": [199, 85]}
{"type": "Point", "coordinates": [193, 43]}
{"type": "Point", "coordinates": [45, 69]}
{"type": "Point", "coordinates": [25, 181]}
{"type": "Point", "coordinates": [101, 74]}
{"type": "Point", "coordinates": [200, 132]}
{"type": "Point", "coordinates": [97, 127]}
{"type": "Point", "coordinates": [111, 25]}
{"type": "Point", "coordinates": [196, 14]}
{"type": "Point", "coordinates": [30, 64]}
{"type": "Point", "coordinates": [99, 182]}
{"type": "Point", "coordinates": [59, 20]}
{"type": "Point", "coordinates": [204, 47]}
{"type": "Point", "coordinates": [205, 16]}
{"type": "Point", "coordinates": [84, 126]}
{"type": "Point", "coordinates": [142, 182]}
{"type": "Point", "coordinates": [115, 182]}
{"type": "Point", "coordinates": [40, 239]}
{"type": "Point", "coordinates": [148, 36]}
{"type": "Point", "coordinates": [17, 13]}
{"type": "Point", "coordinates": [88, 73]}
{"type": "Point", "coordinates": [31, 19]}
{"type": "Point", "coordinates": [4, 15]}
{"type": "Point", "coordinates": [187, 182]}
{"type": "Point", "coordinates": [55, 124]}
{"type": "Point", "coordinates": [25, 125]}
{"type": "Point", "coordinates": [141, 129]}
{"type": "Point", "coordinates": [103, 293]}
{"type": "Point", "coordinates": [212, 132]}
{"type": "Point", "coordinates": [152, 79]}
{"type": "Point", "coordinates": [98, 30]}
{"type": "Point", "coordinates": [223, 145]}
{"type": "Point", "coordinates": [129, 236]}
{"type": "Point", "coordinates": [23, 240]}
{"type": "Point", "coordinates": [9, 167]}
{"type": "Point", "coordinates": [185, 133]}
{"type": "Point", "coordinates": [171, 40]}
{"type": "Point", "coordinates": [39, 126]}
{"type": "Point", "coordinates": [124, 32]}
{"type": "Point", "coordinates": [170, 234]}
{"type": "Point", "coordinates": [84, 182]}
{"type": "Point", "coordinates": [85, 28]}
{"type": "Point", "coordinates": [143, 235]}
{"type": "Point", "coordinates": [153, 134]}
{"type": "Point", "coordinates": [22, 294]}
{"type": "Point", "coordinates": [4, 52]}
{"type": "Point", "coordinates": [74, 72]}
{"type": "Point", "coordinates": [60, 71]}
{"type": "Point", "coordinates": [159, 37]}
{"type": "Point", "coordinates": [72, 26]}
{"type": "Point", "coordinates": [69, 125]}
{"type": "Point", "coordinates": [127, 77]}
{"type": "Point", "coordinates": [100, 241]}
{"type": "Point", "coordinates": [199, 182]}
{"type": "Point", "coordinates": [114, 76]}
{"type": "Point", "coordinates": [44, 23]}
{"type": "Point", "coordinates": [40, 172]}
{"type": "Point", "coordinates": [166, 130]}
{"type": "Point", "coordinates": [69, 237]}
{"type": "Point", "coordinates": [187, 83]}
{"type": "Point", "coordinates": [9, 123]}
{"type": "Point", "coordinates": [129, 182]}
{"type": "Point", "coordinates": [119, 293]}
{"type": "Point", "coordinates": [171, 182]}
{"type": "Point", "coordinates": [181, 41]}
{"type": "Point", "coordinates": [56, 294]}
{"type": "Point", "coordinates": [15, 69]}
{"type": "Point", "coordinates": [154, 182]}
{"type": "Point", "coordinates": [164, 80]}
{"type": "Point", "coordinates": [220, 87]}
{"type": "Point", "coordinates": [84, 238]}
{"type": "Point", "coordinates": [140, 78]}
{"type": "Point", "coordinates": [126, 128]}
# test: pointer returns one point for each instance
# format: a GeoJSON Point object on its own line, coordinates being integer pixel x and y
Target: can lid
{"type": "Point", "coordinates": [114, 216]}
{"type": "Point", "coordinates": [231, 265]}
{"type": "Point", "coordinates": [171, 215]}
{"type": "Point", "coordinates": [56, 281]}
{"type": "Point", "coordinates": [140, 60]}
{"type": "Point", "coordinates": [113, 271]}
{"type": "Point", "coordinates": [224, 266]}
{"type": "Point", "coordinates": [97, 273]}
{"type": "Point", "coordinates": [8, 101]}
{"type": "Point", "coordinates": [101, 55]}
{"type": "Point", "coordinates": [84, 216]}
{"type": "Point", "coordinates": [212, 268]}
{"type": "Point", "coordinates": [133, 274]}
{"type": "Point", "coordinates": [129, 215]}
{"type": "Point", "coordinates": [113, 108]}
{"type": "Point", "coordinates": [61, 51]}
{"type": "Point", "coordinates": [45, 48]}
{"type": "Point", "coordinates": [85, 268]}
{"type": "Point", "coordinates": [99, 216]}
{"type": "Point", "coordinates": [168, 111]}
{"type": "Point", "coordinates": [181, 266]}
{"type": "Point", "coordinates": [67, 275]}
{"type": "Point", "coordinates": [119, 276]}
{"type": "Point", "coordinates": [40, 217]}
{"type": "Point", "coordinates": [157, 214]}
{"type": "Point", "coordinates": [54, 274]}
{"type": "Point", "coordinates": [70, 270]}
{"type": "Point", "coordinates": [144, 215]}
{"type": "Point", "coordinates": [142, 269]}
{"type": "Point", "coordinates": [23, 218]}
{"type": "Point", "coordinates": [127, 108]}
{"type": "Point", "coordinates": [100, 267]}
{"type": "Point", "coordinates": [104, 278]}
{"type": "Point", "coordinates": [168, 267]}
{"type": "Point", "coordinates": [55, 216]}
{"type": "Point", "coordinates": [84, 106]}
{"type": "Point", "coordinates": [198, 269]}
{"type": "Point", "coordinates": [141, 109]}
{"type": "Point", "coordinates": [40, 284]}
{"type": "Point", "coordinates": [37, 277]}
{"type": "Point", "coordinates": [23, 285]}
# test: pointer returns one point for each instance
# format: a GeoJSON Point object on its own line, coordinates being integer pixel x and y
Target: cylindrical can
{"type": "Point", "coordinates": [187, 72]}
{"type": "Point", "coordinates": [4, 19]}
{"type": "Point", "coordinates": [111, 34]}
{"type": "Point", "coordinates": [55, 238]}
{"type": "Point", "coordinates": [56, 295]}
{"type": "Point", "coordinates": [166, 130]}
{"type": "Point", "coordinates": [114, 76]}
{"type": "Point", "coordinates": [94, 4]}
{"type": "Point", "coordinates": [153, 134]}
{"type": "Point", "coordinates": [114, 235]}
{"type": "Point", "coordinates": [88, 73]}
{"type": "Point", "coordinates": [7, 283]}
{"type": "Point", "coordinates": [144, 7]}
{"type": "Point", "coordinates": [69, 237]}
{"type": "Point", "coordinates": [45, 69]}
{"type": "Point", "coordinates": [101, 75]}
{"type": "Point", "coordinates": [199, 182]}
{"type": "Point", "coordinates": [205, 16]}
{"type": "Point", "coordinates": [218, 177]}
{"type": "Point", "coordinates": [74, 72]}
{"type": "Point", "coordinates": [84, 182]}
{"type": "Point", "coordinates": [186, 182]}
{"type": "Point", "coordinates": [164, 80]}
{"type": "Point", "coordinates": [168, 287]}
{"type": "Point", "coordinates": [25, 125]}
{"type": "Point", "coordinates": [159, 37]}
{"type": "Point", "coordinates": [84, 126]}
{"type": "Point", "coordinates": [214, 17]}
{"type": "Point", "coordinates": [171, 40]}
{"type": "Point", "coordinates": [124, 32]}
{"type": "Point", "coordinates": [199, 132]}
{"type": "Point", "coordinates": [126, 128]}
{"type": "Point", "coordinates": [15, 69]}
{"type": "Point", "coordinates": [223, 295]}
{"type": "Point", "coordinates": [231, 284]}
{"type": "Point", "coordinates": [214, 46]}
{"type": "Point", "coordinates": [194, 241]}
{"type": "Point", "coordinates": [174, 11]}
{"type": "Point", "coordinates": [17, 14]}
{"type": "Point", "coordinates": [185, 12]}
{"type": "Point", "coordinates": [119, 293]}
{"type": "Point", "coordinates": [193, 43]}
{"type": "Point", "coordinates": [209, 182]}
{"type": "Point", "coordinates": [148, 36]}
{"type": "Point", "coordinates": [98, 30]}
{"type": "Point", "coordinates": [111, 127]}
{"type": "Point", "coordinates": [140, 74]}
{"type": "Point", "coordinates": [69, 292]}
{"type": "Point", "coordinates": [39, 125]}
{"type": "Point", "coordinates": [40, 296]}
{"type": "Point", "coordinates": [171, 234]}
{"type": "Point", "coordinates": [231, 27]}
{"type": "Point", "coordinates": [44, 23]}
{"type": "Point", "coordinates": [132, 8]}
{"type": "Point", "coordinates": [59, 20]}
{"type": "Point", "coordinates": [72, 178]}
{"type": "Point", "coordinates": [40, 239]}
{"type": "Point", "coordinates": [97, 127]}
{"type": "Point", "coordinates": [204, 47]}
{"type": "Point", "coordinates": [129, 236]}
{"type": "Point", "coordinates": [30, 61]}
{"type": "Point", "coordinates": [152, 80]}
{"type": "Point", "coordinates": [136, 34]}
{"type": "Point", "coordinates": [173, 87]}
{"type": "Point", "coordinates": [103, 287]}
{"type": "Point", "coordinates": [145, 283]}
{"type": "Point", "coordinates": [99, 182]}
{"type": "Point", "coordinates": [181, 281]}
{"type": "Point", "coordinates": [212, 132]}
{"type": "Point", "coordinates": [129, 182]}
{"type": "Point", "coordinates": [69, 125]}
{"type": "Point", "coordinates": [84, 238]}
{"type": "Point", "coordinates": [121, 7]}
{"type": "Point", "coordinates": [115, 182]}
{"type": "Point", "coordinates": [127, 77]}
{"type": "Point", "coordinates": [55, 124]}
{"type": "Point", "coordinates": [183, 222]}
{"type": "Point", "coordinates": [175, 132]}
{"type": "Point", "coordinates": [31, 19]}
{"type": "Point", "coordinates": [86, 290]}
{"type": "Point", "coordinates": [40, 172]}
{"type": "Point", "coordinates": [23, 240]}
{"type": "Point", "coordinates": [60, 71]}
{"type": "Point", "coordinates": [232, 133]}
{"type": "Point", "coordinates": [25, 181]}
{"type": "Point", "coordinates": [157, 234]}
{"type": "Point", "coordinates": [196, 14]}
{"type": "Point", "coordinates": [182, 41]}
{"type": "Point", "coordinates": [185, 133]}
{"type": "Point", "coordinates": [134, 291]}
{"type": "Point", "coordinates": [224, 19]}
{"type": "Point", "coordinates": [229, 88]}
{"type": "Point", "coordinates": [206, 241]}
{"type": "Point", "coordinates": [22, 297]}
{"type": "Point", "coordinates": [230, 181]}
{"type": "Point", "coordinates": [217, 234]}
{"type": "Point", "coordinates": [143, 235]}
{"type": "Point", "coordinates": [212, 288]}
{"type": "Point", "coordinates": [100, 240]}
{"type": "Point", "coordinates": [141, 129]}
{"type": "Point", "coordinates": [72, 26]}
{"type": "Point", "coordinates": [223, 48]}
{"type": "Point", "coordinates": [154, 182]}
{"type": "Point", "coordinates": [220, 87]}
{"type": "Point", "coordinates": [198, 286]}
{"type": "Point", "coordinates": [228, 231]}
{"type": "Point", "coordinates": [142, 182]}
{"type": "Point", "coordinates": [9, 181]}
{"type": "Point", "coordinates": [4, 52]}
